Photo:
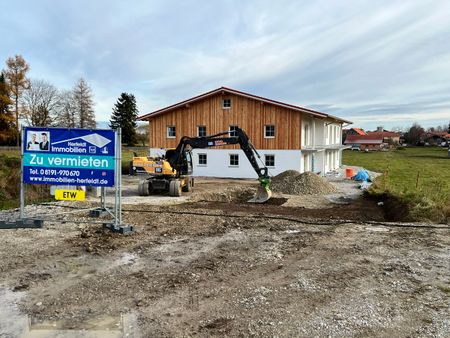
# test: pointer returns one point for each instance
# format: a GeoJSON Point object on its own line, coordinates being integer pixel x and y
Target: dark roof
{"type": "Point", "coordinates": [383, 134]}
{"type": "Point", "coordinates": [239, 93]}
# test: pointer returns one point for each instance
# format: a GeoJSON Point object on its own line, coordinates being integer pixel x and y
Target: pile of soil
{"type": "Point", "coordinates": [291, 182]}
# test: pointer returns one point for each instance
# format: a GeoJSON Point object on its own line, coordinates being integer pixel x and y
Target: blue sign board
{"type": "Point", "coordinates": [61, 156]}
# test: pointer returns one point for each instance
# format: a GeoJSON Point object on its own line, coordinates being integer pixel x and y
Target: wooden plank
{"type": "Point", "coordinates": [247, 113]}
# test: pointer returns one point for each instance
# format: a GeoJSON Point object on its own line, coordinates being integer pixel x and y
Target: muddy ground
{"type": "Point", "coordinates": [297, 267]}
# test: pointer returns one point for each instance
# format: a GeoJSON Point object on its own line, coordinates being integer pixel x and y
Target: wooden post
{"type": "Point", "coordinates": [417, 179]}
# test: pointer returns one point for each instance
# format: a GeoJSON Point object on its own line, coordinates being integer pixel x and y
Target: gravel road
{"type": "Point", "coordinates": [210, 269]}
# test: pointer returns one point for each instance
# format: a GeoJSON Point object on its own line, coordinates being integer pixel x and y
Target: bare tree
{"type": "Point", "coordinates": [142, 134]}
{"type": "Point", "coordinates": [442, 128]}
{"type": "Point", "coordinates": [84, 104]}
{"type": "Point", "coordinates": [414, 134]}
{"type": "Point", "coordinates": [15, 73]}
{"type": "Point", "coordinates": [66, 115]}
{"type": "Point", "coordinates": [40, 101]}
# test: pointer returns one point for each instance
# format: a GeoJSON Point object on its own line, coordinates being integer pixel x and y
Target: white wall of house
{"type": "Point", "coordinates": [332, 133]}
{"type": "Point", "coordinates": [319, 162]}
{"type": "Point", "coordinates": [319, 133]}
{"type": "Point", "coordinates": [332, 160]}
{"type": "Point", "coordinates": [327, 134]}
{"type": "Point", "coordinates": [218, 162]}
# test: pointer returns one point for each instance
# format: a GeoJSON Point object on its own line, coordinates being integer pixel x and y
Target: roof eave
{"type": "Point", "coordinates": [236, 92]}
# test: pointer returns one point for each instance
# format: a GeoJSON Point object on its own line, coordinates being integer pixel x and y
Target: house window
{"type": "Point", "coordinates": [232, 130]}
{"type": "Point", "coordinates": [234, 160]}
{"type": "Point", "coordinates": [171, 132]}
{"type": "Point", "coordinates": [201, 131]}
{"type": "Point", "coordinates": [226, 103]}
{"type": "Point", "coordinates": [202, 159]}
{"type": "Point", "coordinates": [269, 131]}
{"type": "Point", "coordinates": [269, 160]}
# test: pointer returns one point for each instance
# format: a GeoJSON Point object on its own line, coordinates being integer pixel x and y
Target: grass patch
{"type": "Point", "coordinates": [418, 177]}
{"type": "Point", "coordinates": [127, 157]}
{"type": "Point", "coordinates": [10, 183]}
{"type": "Point", "coordinates": [10, 177]}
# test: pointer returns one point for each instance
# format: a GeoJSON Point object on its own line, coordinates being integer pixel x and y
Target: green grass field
{"type": "Point", "coordinates": [420, 176]}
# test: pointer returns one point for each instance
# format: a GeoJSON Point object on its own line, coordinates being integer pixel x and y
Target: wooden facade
{"type": "Point", "coordinates": [250, 114]}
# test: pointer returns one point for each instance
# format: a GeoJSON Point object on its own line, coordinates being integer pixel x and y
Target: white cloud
{"type": "Point", "coordinates": [367, 61]}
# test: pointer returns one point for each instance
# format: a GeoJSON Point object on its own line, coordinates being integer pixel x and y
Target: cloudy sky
{"type": "Point", "coordinates": [373, 62]}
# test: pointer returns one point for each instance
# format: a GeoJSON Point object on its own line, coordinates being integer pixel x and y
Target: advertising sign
{"type": "Point", "coordinates": [60, 156]}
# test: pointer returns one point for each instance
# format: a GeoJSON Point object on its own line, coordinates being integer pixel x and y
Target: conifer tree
{"type": "Point", "coordinates": [124, 115]}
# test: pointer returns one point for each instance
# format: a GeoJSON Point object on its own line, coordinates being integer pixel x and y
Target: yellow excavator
{"type": "Point", "coordinates": [172, 172]}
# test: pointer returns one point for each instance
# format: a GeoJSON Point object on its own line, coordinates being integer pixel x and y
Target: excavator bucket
{"type": "Point", "coordinates": [263, 194]}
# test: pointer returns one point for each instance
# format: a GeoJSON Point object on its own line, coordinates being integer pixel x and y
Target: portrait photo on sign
{"type": "Point", "coordinates": [38, 140]}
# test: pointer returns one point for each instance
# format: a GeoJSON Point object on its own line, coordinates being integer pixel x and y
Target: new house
{"type": "Point", "coordinates": [286, 136]}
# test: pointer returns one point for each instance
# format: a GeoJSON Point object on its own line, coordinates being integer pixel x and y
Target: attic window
{"type": "Point", "coordinates": [269, 131]}
{"type": "Point", "coordinates": [226, 103]}
{"type": "Point", "coordinates": [171, 132]}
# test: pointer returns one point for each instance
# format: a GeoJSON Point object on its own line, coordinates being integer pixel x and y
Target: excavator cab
{"type": "Point", "coordinates": [185, 166]}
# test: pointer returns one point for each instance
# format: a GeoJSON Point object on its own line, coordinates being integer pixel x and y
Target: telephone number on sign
{"type": "Point", "coordinates": [60, 172]}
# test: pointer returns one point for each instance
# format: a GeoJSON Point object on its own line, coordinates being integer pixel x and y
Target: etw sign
{"type": "Point", "coordinates": [70, 195]}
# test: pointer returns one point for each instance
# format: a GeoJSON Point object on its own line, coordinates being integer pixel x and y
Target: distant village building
{"type": "Point", "coordinates": [436, 138]}
{"type": "Point", "coordinates": [373, 140]}
{"type": "Point", "coordinates": [286, 136]}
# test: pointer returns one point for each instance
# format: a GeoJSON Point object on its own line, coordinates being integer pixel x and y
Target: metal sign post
{"type": "Point", "coordinates": [71, 157]}
{"type": "Point", "coordinates": [22, 222]}
{"type": "Point", "coordinates": [117, 226]}
{"type": "Point", "coordinates": [22, 185]}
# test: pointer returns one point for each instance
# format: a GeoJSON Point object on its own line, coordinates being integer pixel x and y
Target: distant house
{"type": "Point", "coordinates": [363, 142]}
{"type": "Point", "coordinates": [388, 137]}
{"type": "Point", "coordinates": [351, 131]}
{"type": "Point", "coordinates": [436, 138]}
{"type": "Point", "coordinates": [372, 140]}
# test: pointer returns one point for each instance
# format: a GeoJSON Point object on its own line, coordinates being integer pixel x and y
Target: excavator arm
{"type": "Point", "coordinates": [176, 158]}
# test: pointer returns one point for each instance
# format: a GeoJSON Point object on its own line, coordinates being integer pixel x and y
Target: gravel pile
{"type": "Point", "coordinates": [291, 182]}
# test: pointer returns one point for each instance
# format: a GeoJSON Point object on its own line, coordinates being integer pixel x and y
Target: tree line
{"type": "Point", "coordinates": [416, 134]}
{"type": "Point", "coordinates": [35, 102]}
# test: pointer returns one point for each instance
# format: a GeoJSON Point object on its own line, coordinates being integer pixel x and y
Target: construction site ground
{"type": "Point", "coordinates": [208, 264]}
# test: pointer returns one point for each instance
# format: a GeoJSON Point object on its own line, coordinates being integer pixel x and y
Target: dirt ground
{"type": "Point", "coordinates": [211, 265]}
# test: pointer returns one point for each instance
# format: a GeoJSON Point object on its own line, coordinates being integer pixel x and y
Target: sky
{"type": "Point", "coordinates": [376, 63]}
